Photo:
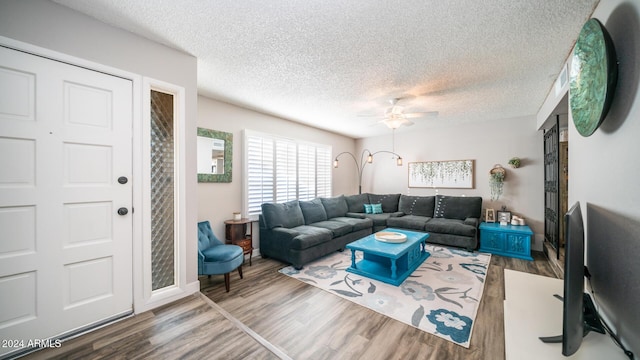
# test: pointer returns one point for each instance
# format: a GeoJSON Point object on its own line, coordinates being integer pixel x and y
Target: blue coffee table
{"type": "Point", "coordinates": [389, 262]}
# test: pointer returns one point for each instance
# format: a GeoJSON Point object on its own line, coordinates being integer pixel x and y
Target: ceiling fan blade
{"type": "Point", "coordinates": [379, 122]}
{"type": "Point", "coordinates": [420, 114]}
{"type": "Point", "coordinates": [369, 115]}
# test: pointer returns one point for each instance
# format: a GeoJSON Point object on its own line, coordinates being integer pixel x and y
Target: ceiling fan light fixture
{"type": "Point", "coordinates": [394, 123]}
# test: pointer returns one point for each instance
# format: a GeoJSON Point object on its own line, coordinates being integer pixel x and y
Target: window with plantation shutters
{"type": "Point", "coordinates": [279, 170]}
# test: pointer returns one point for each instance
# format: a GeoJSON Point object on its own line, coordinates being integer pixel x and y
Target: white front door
{"type": "Point", "coordinates": [65, 153]}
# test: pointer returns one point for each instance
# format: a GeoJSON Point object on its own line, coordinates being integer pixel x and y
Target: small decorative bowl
{"type": "Point", "coordinates": [390, 237]}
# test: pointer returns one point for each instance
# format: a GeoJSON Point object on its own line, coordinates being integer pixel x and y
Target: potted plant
{"type": "Point", "coordinates": [514, 162]}
{"type": "Point", "coordinates": [496, 181]}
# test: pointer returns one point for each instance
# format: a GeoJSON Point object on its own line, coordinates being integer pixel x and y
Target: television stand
{"type": "Point", "coordinates": [591, 320]}
{"type": "Point", "coordinates": [531, 310]}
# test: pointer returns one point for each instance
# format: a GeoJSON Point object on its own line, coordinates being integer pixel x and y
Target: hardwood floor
{"type": "Point", "coordinates": [296, 319]}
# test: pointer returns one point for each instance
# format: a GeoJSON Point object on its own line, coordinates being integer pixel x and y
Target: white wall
{"type": "Point", "coordinates": [488, 144]}
{"type": "Point", "coordinates": [51, 26]}
{"type": "Point", "coordinates": [218, 201]}
{"type": "Point", "coordinates": [603, 175]}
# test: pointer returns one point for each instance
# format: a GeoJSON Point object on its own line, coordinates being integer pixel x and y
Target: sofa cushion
{"type": "Point", "coordinates": [310, 236]}
{"type": "Point", "coordinates": [378, 219]}
{"type": "Point", "coordinates": [458, 207]}
{"type": "Point", "coordinates": [287, 214]}
{"type": "Point", "coordinates": [368, 209]}
{"type": "Point", "coordinates": [335, 206]}
{"type": "Point", "coordinates": [389, 201]}
{"type": "Point", "coordinates": [313, 211]}
{"type": "Point", "coordinates": [450, 226]}
{"type": "Point", "coordinates": [357, 215]}
{"type": "Point", "coordinates": [413, 222]}
{"type": "Point", "coordinates": [417, 205]}
{"type": "Point", "coordinates": [356, 202]}
{"type": "Point", "coordinates": [338, 228]}
{"type": "Point", "coordinates": [357, 224]}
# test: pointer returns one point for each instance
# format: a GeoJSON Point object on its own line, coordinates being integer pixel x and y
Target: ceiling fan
{"type": "Point", "coordinates": [394, 116]}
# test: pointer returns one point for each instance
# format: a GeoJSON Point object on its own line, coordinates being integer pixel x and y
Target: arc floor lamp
{"type": "Point", "coordinates": [360, 166]}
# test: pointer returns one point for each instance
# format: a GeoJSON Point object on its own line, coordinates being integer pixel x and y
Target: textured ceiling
{"type": "Point", "coordinates": [325, 62]}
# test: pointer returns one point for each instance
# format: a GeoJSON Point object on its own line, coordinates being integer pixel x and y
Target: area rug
{"type": "Point", "coordinates": [441, 297]}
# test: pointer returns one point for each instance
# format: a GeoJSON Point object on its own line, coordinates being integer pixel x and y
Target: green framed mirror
{"type": "Point", "coordinates": [215, 155]}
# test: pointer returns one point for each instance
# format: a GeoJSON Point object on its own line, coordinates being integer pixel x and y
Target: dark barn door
{"type": "Point", "coordinates": [551, 187]}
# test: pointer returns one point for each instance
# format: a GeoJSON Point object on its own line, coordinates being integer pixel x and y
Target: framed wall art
{"type": "Point", "coordinates": [442, 174]}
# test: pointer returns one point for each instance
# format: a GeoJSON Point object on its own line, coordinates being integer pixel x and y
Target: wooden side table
{"type": "Point", "coordinates": [506, 240]}
{"type": "Point", "coordinates": [236, 233]}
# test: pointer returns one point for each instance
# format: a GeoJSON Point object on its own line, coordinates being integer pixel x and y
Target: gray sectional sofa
{"type": "Point", "coordinates": [298, 232]}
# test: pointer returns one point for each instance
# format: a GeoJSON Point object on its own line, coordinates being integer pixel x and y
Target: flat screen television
{"type": "Point", "coordinates": [579, 315]}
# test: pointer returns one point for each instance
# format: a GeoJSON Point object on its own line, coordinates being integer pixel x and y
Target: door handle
{"type": "Point", "coordinates": [123, 180]}
{"type": "Point", "coordinates": [123, 211]}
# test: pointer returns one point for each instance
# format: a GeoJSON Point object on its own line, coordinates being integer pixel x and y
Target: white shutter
{"type": "Point", "coordinates": [259, 173]}
{"type": "Point", "coordinates": [323, 171]}
{"type": "Point", "coordinates": [306, 172]}
{"type": "Point", "coordinates": [286, 174]}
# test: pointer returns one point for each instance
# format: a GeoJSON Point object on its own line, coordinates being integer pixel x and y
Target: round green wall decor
{"type": "Point", "coordinates": [592, 78]}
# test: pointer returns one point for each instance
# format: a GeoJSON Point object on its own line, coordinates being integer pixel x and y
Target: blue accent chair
{"type": "Point", "coordinates": [215, 257]}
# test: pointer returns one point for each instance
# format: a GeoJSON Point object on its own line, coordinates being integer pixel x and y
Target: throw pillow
{"type": "Point", "coordinates": [376, 208]}
{"type": "Point", "coordinates": [368, 209]}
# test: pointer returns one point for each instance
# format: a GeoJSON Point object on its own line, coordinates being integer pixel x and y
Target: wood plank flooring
{"type": "Point", "coordinates": [297, 319]}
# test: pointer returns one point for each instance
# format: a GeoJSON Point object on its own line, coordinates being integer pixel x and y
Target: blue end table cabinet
{"type": "Point", "coordinates": [506, 240]}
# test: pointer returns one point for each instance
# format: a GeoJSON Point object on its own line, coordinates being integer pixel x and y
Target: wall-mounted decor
{"type": "Point", "coordinates": [514, 162]}
{"type": "Point", "coordinates": [593, 77]}
{"type": "Point", "coordinates": [214, 155]}
{"type": "Point", "coordinates": [496, 181]}
{"type": "Point", "coordinates": [442, 174]}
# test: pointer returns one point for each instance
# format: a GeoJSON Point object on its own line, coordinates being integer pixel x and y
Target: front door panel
{"type": "Point", "coordinates": [65, 253]}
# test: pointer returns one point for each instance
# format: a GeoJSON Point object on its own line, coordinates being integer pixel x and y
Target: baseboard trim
{"type": "Point", "coordinates": [168, 296]}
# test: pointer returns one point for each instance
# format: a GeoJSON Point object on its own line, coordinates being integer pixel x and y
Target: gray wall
{"type": "Point", "coordinates": [603, 175]}
{"type": "Point", "coordinates": [488, 143]}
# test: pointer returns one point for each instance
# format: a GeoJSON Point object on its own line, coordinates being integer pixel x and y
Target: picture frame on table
{"type": "Point", "coordinates": [504, 216]}
{"type": "Point", "coordinates": [490, 216]}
